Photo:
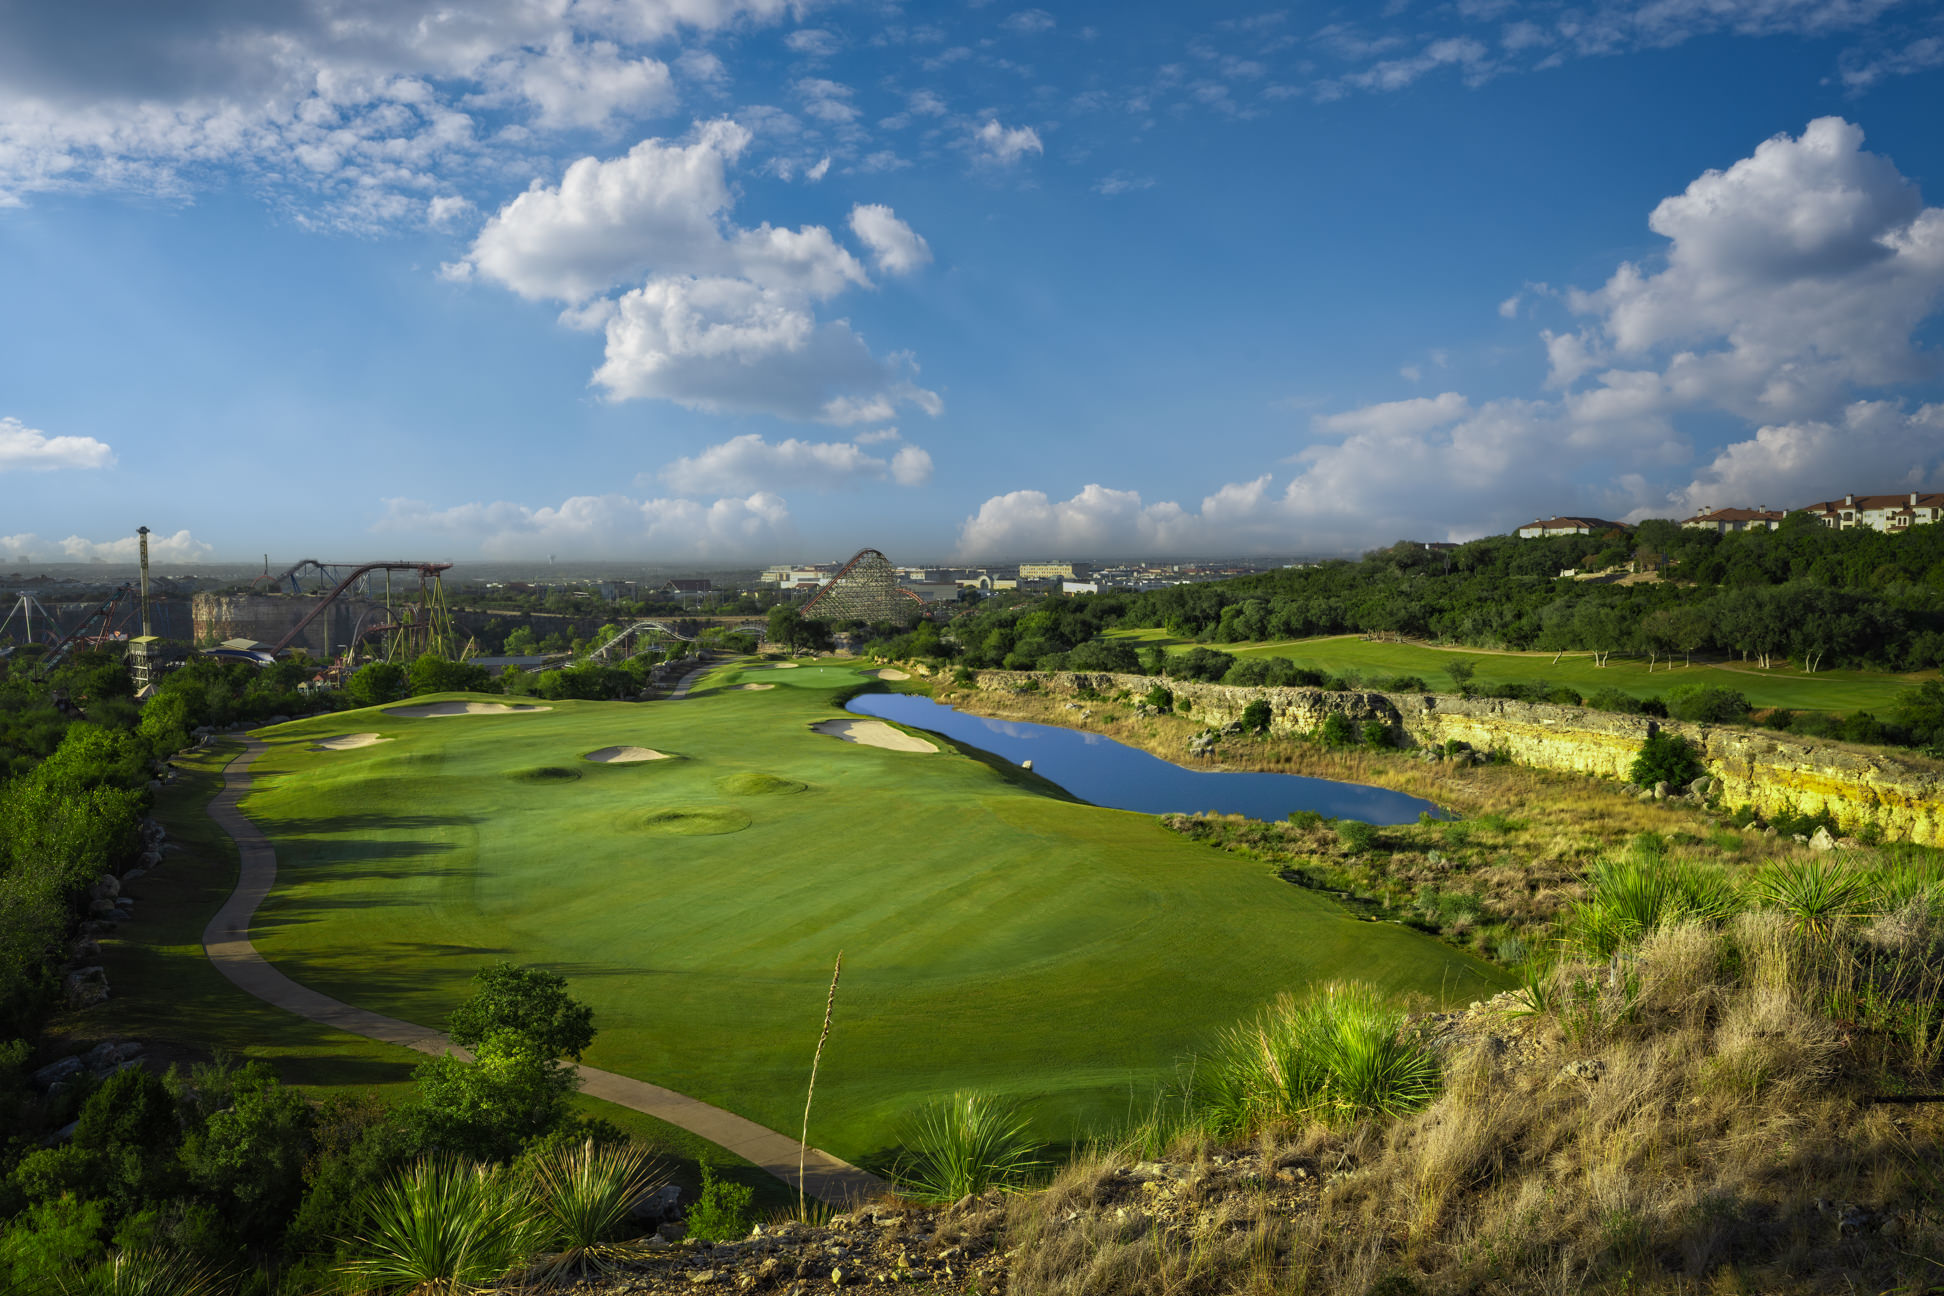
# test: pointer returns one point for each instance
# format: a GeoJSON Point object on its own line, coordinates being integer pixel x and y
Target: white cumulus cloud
{"type": "Point", "coordinates": [894, 245]}
{"type": "Point", "coordinates": [750, 462]}
{"type": "Point", "coordinates": [22, 447]}
{"type": "Point", "coordinates": [179, 547]}
{"type": "Point", "coordinates": [1006, 145]}
{"type": "Point", "coordinates": [603, 526]}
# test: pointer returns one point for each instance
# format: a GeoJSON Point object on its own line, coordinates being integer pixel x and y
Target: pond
{"type": "Point", "coordinates": [1095, 768]}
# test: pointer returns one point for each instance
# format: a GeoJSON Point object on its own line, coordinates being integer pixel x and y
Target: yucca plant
{"type": "Point", "coordinates": [445, 1227]}
{"type": "Point", "coordinates": [585, 1193]}
{"type": "Point", "coordinates": [1818, 896]}
{"type": "Point", "coordinates": [1342, 1052]}
{"type": "Point", "coordinates": [965, 1144]}
{"type": "Point", "coordinates": [1629, 898]}
{"type": "Point", "coordinates": [141, 1273]}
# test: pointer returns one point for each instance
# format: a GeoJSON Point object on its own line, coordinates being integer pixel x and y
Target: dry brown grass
{"type": "Point", "coordinates": [1712, 1131]}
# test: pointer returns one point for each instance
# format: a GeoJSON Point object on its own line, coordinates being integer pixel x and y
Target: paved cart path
{"type": "Point", "coordinates": [227, 942]}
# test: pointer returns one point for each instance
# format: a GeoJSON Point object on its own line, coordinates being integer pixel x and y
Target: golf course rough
{"type": "Point", "coordinates": [993, 937]}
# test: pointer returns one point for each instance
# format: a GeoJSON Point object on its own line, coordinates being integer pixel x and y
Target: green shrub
{"type": "Point", "coordinates": [1160, 699]}
{"type": "Point", "coordinates": [1376, 733]}
{"type": "Point", "coordinates": [1356, 835]}
{"type": "Point", "coordinates": [1707, 704]}
{"type": "Point", "coordinates": [1564, 695]}
{"type": "Point", "coordinates": [1336, 730]}
{"type": "Point", "coordinates": [721, 1209]}
{"type": "Point", "coordinates": [1342, 1053]}
{"type": "Point", "coordinates": [1666, 757]}
{"type": "Point", "coordinates": [965, 676]}
{"type": "Point", "coordinates": [1612, 699]}
{"type": "Point", "coordinates": [1256, 716]}
{"type": "Point", "coordinates": [965, 1144]}
{"type": "Point", "coordinates": [1817, 895]}
{"type": "Point", "coordinates": [1629, 898]}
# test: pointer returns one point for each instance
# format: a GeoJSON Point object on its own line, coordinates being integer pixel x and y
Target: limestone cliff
{"type": "Point", "coordinates": [1902, 795]}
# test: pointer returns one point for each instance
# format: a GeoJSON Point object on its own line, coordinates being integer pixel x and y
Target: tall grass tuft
{"type": "Point", "coordinates": [445, 1227]}
{"type": "Point", "coordinates": [1818, 896]}
{"type": "Point", "coordinates": [141, 1273]}
{"type": "Point", "coordinates": [1341, 1053]}
{"type": "Point", "coordinates": [962, 1145]}
{"type": "Point", "coordinates": [1634, 895]}
{"type": "Point", "coordinates": [585, 1193]}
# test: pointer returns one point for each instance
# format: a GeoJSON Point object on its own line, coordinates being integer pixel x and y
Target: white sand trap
{"type": "Point", "coordinates": [625, 755]}
{"type": "Point", "coordinates": [786, 665]}
{"type": "Point", "coordinates": [753, 688]}
{"type": "Point", "coordinates": [874, 733]}
{"type": "Point", "coordinates": [888, 673]}
{"type": "Point", "coordinates": [347, 742]}
{"type": "Point", "coordinates": [433, 709]}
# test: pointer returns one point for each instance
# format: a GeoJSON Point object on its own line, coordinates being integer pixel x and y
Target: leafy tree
{"type": "Point", "coordinates": [1707, 704]}
{"type": "Point", "coordinates": [376, 684]}
{"type": "Point", "coordinates": [529, 1003]}
{"type": "Point", "coordinates": [250, 1156]}
{"type": "Point", "coordinates": [1256, 716]}
{"type": "Point", "coordinates": [434, 674]}
{"type": "Point", "coordinates": [1666, 758]}
{"type": "Point", "coordinates": [1921, 712]}
{"type": "Point", "coordinates": [1461, 670]}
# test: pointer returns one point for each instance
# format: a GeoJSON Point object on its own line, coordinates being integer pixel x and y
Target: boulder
{"type": "Point", "coordinates": [85, 987]}
{"type": "Point", "coordinates": [55, 1072]}
{"type": "Point", "coordinates": [106, 887]}
{"type": "Point", "coordinates": [1822, 841]}
{"type": "Point", "coordinates": [1660, 790]}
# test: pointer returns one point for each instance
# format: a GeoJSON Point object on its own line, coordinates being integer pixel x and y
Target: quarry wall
{"type": "Point", "coordinates": [1902, 796]}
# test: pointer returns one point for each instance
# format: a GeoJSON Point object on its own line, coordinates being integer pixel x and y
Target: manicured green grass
{"type": "Point", "coordinates": [994, 937]}
{"type": "Point", "coordinates": [166, 993]}
{"type": "Point", "coordinates": [1782, 686]}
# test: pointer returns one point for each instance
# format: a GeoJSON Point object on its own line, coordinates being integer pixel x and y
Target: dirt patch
{"type": "Point", "coordinates": [889, 674]}
{"type": "Point", "coordinates": [347, 742]}
{"type": "Point", "coordinates": [624, 755]}
{"type": "Point", "coordinates": [431, 710]}
{"type": "Point", "coordinates": [753, 688]}
{"type": "Point", "coordinates": [874, 733]}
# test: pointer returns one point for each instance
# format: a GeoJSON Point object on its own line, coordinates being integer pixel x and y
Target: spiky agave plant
{"type": "Point", "coordinates": [585, 1193]}
{"type": "Point", "coordinates": [962, 1145]}
{"type": "Point", "coordinates": [1818, 896]}
{"type": "Point", "coordinates": [445, 1227]}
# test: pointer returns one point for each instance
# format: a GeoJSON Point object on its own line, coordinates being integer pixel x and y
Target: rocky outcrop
{"type": "Point", "coordinates": [1900, 795]}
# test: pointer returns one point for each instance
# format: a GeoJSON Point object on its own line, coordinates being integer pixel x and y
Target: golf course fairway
{"type": "Point", "coordinates": [995, 935]}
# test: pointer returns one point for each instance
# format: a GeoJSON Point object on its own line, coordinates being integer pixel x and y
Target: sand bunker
{"type": "Point", "coordinates": [786, 665]}
{"type": "Point", "coordinates": [888, 674]}
{"type": "Point", "coordinates": [753, 688]}
{"type": "Point", "coordinates": [347, 742]}
{"type": "Point", "coordinates": [432, 709]}
{"type": "Point", "coordinates": [874, 733]}
{"type": "Point", "coordinates": [624, 755]}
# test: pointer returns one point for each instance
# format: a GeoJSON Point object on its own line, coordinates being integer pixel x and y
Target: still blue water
{"type": "Point", "coordinates": [1095, 768]}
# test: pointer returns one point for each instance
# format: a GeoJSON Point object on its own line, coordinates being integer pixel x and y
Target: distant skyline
{"type": "Point", "coordinates": [700, 282]}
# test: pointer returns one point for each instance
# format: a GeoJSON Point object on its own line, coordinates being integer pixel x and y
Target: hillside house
{"type": "Point", "coordinates": [1722, 521]}
{"type": "Point", "coordinates": [1565, 526]}
{"type": "Point", "coordinates": [1889, 513]}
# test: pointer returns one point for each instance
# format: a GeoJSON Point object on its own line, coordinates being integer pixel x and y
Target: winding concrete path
{"type": "Point", "coordinates": [227, 942]}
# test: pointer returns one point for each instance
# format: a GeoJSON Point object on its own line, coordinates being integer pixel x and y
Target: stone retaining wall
{"type": "Point", "coordinates": [1902, 796]}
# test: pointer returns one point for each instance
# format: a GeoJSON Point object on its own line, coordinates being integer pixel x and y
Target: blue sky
{"type": "Point", "coordinates": [698, 281]}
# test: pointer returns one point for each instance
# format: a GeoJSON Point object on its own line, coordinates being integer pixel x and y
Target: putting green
{"type": "Point", "coordinates": [993, 936]}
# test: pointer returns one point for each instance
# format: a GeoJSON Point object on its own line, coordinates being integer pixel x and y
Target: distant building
{"type": "Point", "coordinates": [1890, 513]}
{"type": "Point", "coordinates": [688, 591]}
{"type": "Point", "coordinates": [1565, 526]}
{"type": "Point", "coordinates": [1074, 571]}
{"type": "Point", "coordinates": [1722, 521]}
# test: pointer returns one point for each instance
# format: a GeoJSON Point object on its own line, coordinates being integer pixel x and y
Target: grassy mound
{"type": "Point", "coordinates": [755, 783]}
{"type": "Point", "coordinates": [698, 821]}
{"type": "Point", "coordinates": [544, 774]}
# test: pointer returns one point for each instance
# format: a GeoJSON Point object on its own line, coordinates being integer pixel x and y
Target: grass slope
{"type": "Point", "coordinates": [992, 936]}
{"type": "Point", "coordinates": [1782, 686]}
{"type": "Point", "coordinates": [167, 994]}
